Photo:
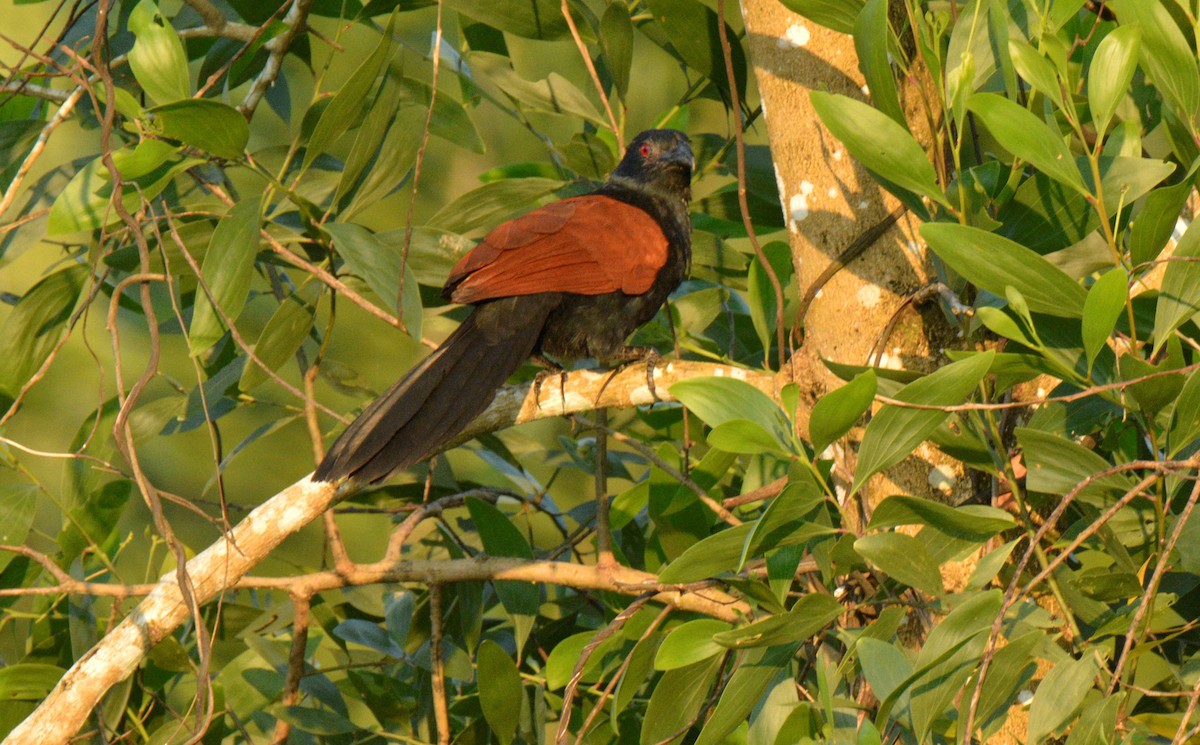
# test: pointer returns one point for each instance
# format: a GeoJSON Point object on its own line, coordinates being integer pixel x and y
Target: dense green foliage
{"type": "Point", "coordinates": [195, 335]}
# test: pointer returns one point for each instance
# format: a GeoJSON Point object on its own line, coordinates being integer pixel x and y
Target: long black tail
{"type": "Point", "coordinates": [442, 394]}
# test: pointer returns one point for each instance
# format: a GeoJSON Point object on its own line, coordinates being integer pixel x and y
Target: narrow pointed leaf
{"type": "Point", "coordinates": [879, 143]}
{"type": "Point", "coordinates": [993, 263]}
{"type": "Point", "coordinates": [895, 431]}
{"type": "Point", "coordinates": [228, 268]}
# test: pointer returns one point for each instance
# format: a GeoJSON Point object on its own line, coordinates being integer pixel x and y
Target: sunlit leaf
{"type": "Point", "coordinates": [158, 59]}
{"type": "Point", "coordinates": [896, 431]}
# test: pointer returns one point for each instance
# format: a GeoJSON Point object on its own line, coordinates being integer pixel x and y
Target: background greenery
{"type": "Point", "coordinates": [1063, 150]}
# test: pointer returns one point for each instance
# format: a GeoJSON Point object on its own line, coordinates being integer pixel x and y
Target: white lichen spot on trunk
{"type": "Point", "coordinates": [869, 296]}
{"type": "Point", "coordinates": [797, 35]}
{"type": "Point", "coordinates": [798, 206]}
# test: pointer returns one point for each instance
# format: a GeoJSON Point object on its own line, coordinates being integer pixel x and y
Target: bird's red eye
{"type": "Point", "coordinates": [645, 150]}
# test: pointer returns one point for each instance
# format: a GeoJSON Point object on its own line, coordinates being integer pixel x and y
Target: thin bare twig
{"type": "Point", "coordinates": [744, 206]}
{"type": "Point", "coordinates": [420, 161]}
{"type": "Point", "coordinates": [301, 605]}
{"type": "Point", "coordinates": [441, 710]}
{"type": "Point", "coordinates": [585, 655]}
{"type": "Point", "coordinates": [591, 68]}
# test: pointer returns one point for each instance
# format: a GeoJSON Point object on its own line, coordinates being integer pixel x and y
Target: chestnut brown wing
{"type": "Point", "coordinates": [589, 245]}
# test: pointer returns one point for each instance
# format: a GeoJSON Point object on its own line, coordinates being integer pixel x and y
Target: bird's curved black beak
{"type": "Point", "coordinates": [681, 154]}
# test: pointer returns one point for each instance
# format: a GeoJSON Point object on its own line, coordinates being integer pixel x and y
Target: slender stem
{"type": "Point", "coordinates": [604, 554]}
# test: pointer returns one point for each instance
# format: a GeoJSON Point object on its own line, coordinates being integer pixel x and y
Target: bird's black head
{"type": "Point", "coordinates": [658, 161]}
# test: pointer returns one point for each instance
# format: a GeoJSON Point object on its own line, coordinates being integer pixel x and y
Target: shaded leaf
{"type": "Point", "coordinates": [228, 268]}
{"type": "Point", "coordinates": [35, 326]}
{"type": "Point", "coordinates": [286, 330]}
{"type": "Point", "coordinates": [500, 690]}
{"type": "Point", "coordinates": [616, 39]}
{"type": "Point", "coordinates": [205, 124]}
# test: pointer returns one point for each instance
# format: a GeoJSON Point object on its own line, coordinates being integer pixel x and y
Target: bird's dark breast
{"type": "Point", "coordinates": [598, 325]}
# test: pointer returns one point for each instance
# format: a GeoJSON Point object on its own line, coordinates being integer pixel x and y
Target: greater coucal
{"type": "Point", "coordinates": [569, 280]}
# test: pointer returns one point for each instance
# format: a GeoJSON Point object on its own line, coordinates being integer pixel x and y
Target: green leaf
{"type": "Point", "coordinates": [501, 538]}
{"type": "Point", "coordinates": [314, 721]}
{"type": "Point", "coordinates": [369, 138]}
{"type": "Point", "coordinates": [744, 437]}
{"type": "Point", "coordinates": [838, 15]}
{"type": "Point", "coordinates": [975, 522]}
{"type": "Point", "coordinates": [884, 666]}
{"type": "Point", "coordinates": [714, 555]}
{"type": "Point", "coordinates": [157, 58]}
{"type": "Point", "coordinates": [1179, 295]}
{"type": "Point", "coordinates": [1111, 72]}
{"type": "Point", "coordinates": [837, 411]}
{"type": "Point", "coordinates": [1036, 69]}
{"type": "Point", "coordinates": [872, 39]}
{"type": "Point", "coordinates": [553, 94]}
{"type": "Point", "coordinates": [692, 29]}
{"type": "Point", "coordinates": [205, 124]}
{"type": "Point", "coordinates": [1154, 223]}
{"type": "Point", "coordinates": [18, 504]}
{"type": "Point", "coordinates": [1056, 466]}
{"type": "Point", "coordinates": [896, 431]}
{"type": "Point", "coordinates": [1165, 54]}
{"type": "Point", "coordinates": [450, 120]}
{"type": "Point", "coordinates": [676, 701]}
{"type": "Point", "coordinates": [500, 690]}
{"type": "Point", "coordinates": [370, 635]}
{"type": "Point", "coordinates": [1104, 305]}
{"type": "Point", "coordinates": [807, 616]}
{"type": "Point", "coordinates": [616, 39]}
{"type": "Point", "coordinates": [379, 265]}
{"type": "Point", "coordinates": [531, 19]}
{"type": "Point", "coordinates": [288, 327]}
{"type": "Point", "coordinates": [1185, 419]}
{"type": "Point", "coordinates": [1027, 137]}
{"type": "Point", "coordinates": [689, 643]}
{"type": "Point", "coordinates": [641, 665]}
{"type": "Point", "coordinates": [560, 665]}
{"type": "Point", "coordinates": [720, 400]}
{"type": "Point", "coordinates": [904, 558]}
{"type": "Point", "coordinates": [84, 204]}
{"type": "Point", "coordinates": [345, 108]}
{"type": "Point", "coordinates": [35, 326]}
{"type": "Point", "coordinates": [395, 158]}
{"type": "Point", "coordinates": [28, 681]}
{"type": "Point", "coordinates": [879, 143]}
{"type": "Point", "coordinates": [228, 268]}
{"type": "Point", "coordinates": [745, 689]}
{"type": "Point", "coordinates": [1012, 668]}
{"type": "Point", "coordinates": [994, 263]}
{"type": "Point", "coordinates": [782, 523]}
{"type": "Point", "coordinates": [491, 204]}
{"type": "Point", "coordinates": [1097, 722]}
{"type": "Point", "coordinates": [93, 524]}
{"type": "Point", "coordinates": [1059, 696]}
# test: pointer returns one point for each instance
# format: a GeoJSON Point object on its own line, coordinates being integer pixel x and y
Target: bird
{"type": "Point", "coordinates": [569, 280]}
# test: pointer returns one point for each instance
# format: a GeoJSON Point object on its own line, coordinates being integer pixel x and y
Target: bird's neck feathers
{"type": "Point", "coordinates": [672, 190]}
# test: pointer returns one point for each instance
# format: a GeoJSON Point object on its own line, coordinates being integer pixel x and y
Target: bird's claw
{"type": "Point", "coordinates": [643, 355]}
{"type": "Point", "coordinates": [550, 369]}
